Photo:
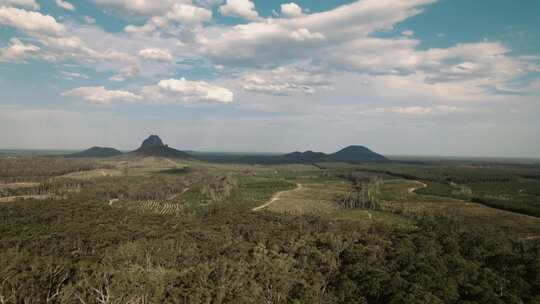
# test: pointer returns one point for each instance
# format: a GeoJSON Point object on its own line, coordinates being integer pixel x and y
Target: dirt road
{"type": "Point", "coordinates": [422, 186]}
{"type": "Point", "coordinates": [277, 196]}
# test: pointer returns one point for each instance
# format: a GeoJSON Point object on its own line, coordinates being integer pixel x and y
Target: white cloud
{"type": "Point", "coordinates": [166, 91]}
{"type": "Point", "coordinates": [138, 7]}
{"type": "Point", "coordinates": [269, 40]}
{"type": "Point", "coordinates": [408, 33]}
{"type": "Point", "coordinates": [127, 72]}
{"type": "Point", "coordinates": [65, 5]}
{"type": "Point", "coordinates": [177, 19]}
{"type": "Point", "coordinates": [333, 42]}
{"type": "Point", "coordinates": [285, 81]}
{"type": "Point", "coordinates": [182, 90]}
{"type": "Point", "coordinates": [64, 47]}
{"type": "Point", "coordinates": [73, 75]}
{"type": "Point", "coordinates": [33, 22]}
{"type": "Point", "coordinates": [31, 4]}
{"type": "Point", "coordinates": [291, 10]}
{"type": "Point", "coordinates": [150, 26]}
{"type": "Point", "coordinates": [304, 34]}
{"type": "Point", "coordinates": [100, 95]}
{"type": "Point", "coordinates": [189, 14]}
{"type": "Point", "coordinates": [156, 54]}
{"type": "Point", "coordinates": [182, 11]}
{"type": "Point", "coordinates": [239, 8]}
{"type": "Point", "coordinates": [419, 111]}
{"type": "Point", "coordinates": [17, 50]}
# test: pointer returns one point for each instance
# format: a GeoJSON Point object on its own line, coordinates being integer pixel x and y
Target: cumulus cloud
{"type": "Point", "coordinates": [239, 8]}
{"type": "Point", "coordinates": [263, 55]}
{"type": "Point", "coordinates": [179, 18]}
{"type": "Point", "coordinates": [125, 73]}
{"type": "Point", "coordinates": [150, 26]}
{"type": "Point", "coordinates": [269, 40]}
{"type": "Point", "coordinates": [162, 13]}
{"type": "Point", "coordinates": [304, 34]}
{"type": "Point", "coordinates": [72, 47]}
{"type": "Point", "coordinates": [291, 10]}
{"type": "Point", "coordinates": [73, 75]}
{"type": "Point", "coordinates": [55, 42]}
{"type": "Point", "coordinates": [182, 90]}
{"type": "Point", "coordinates": [65, 5]}
{"type": "Point", "coordinates": [156, 54]}
{"type": "Point", "coordinates": [28, 21]}
{"type": "Point", "coordinates": [17, 50]}
{"type": "Point", "coordinates": [30, 4]}
{"type": "Point", "coordinates": [285, 81]}
{"type": "Point", "coordinates": [167, 91]}
{"type": "Point", "coordinates": [138, 7]}
{"type": "Point", "coordinates": [100, 95]}
{"type": "Point", "coordinates": [189, 14]}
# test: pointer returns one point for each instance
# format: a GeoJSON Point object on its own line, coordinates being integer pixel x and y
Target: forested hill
{"type": "Point", "coordinates": [356, 154]}
{"type": "Point", "coordinates": [350, 154]}
{"type": "Point", "coordinates": [96, 152]}
{"type": "Point", "coordinates": [154, 146]}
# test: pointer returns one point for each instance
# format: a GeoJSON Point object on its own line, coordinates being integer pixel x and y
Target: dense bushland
{"type": "Point", "coordinates": [499, 186]}
{"type": "Point", "coordinates": [83, 251]}
{"type": "Point", "coordinates": [27, 169]}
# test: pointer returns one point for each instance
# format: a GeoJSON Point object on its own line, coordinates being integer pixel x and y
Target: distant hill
{"type": "Point", "coordinates": [99, 152]}
{"type": "Point", "coordinates": [354, 154]}
{"type": "Point", "coordinates": [152, 141]}
{"type": "Point", "coordinates": [154, 146]}
{"type": "Point", "coordinates": [305, 157]}
{"type": "Point", "coordinates": [351, 154]}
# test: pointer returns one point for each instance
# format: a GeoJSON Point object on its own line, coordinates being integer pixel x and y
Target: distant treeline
{"type": "Point", "coordinates": [499, 188]}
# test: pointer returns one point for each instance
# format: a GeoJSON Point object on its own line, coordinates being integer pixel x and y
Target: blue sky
{"type": "Point", "coordinates": [416, 77]}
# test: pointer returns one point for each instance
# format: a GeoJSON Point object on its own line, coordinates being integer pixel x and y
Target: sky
{"type": "Point", "coordinates": [403, 77]}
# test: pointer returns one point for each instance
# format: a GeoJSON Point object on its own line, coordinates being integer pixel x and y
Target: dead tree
{"type": "Point", "coordinates": [365, 193]}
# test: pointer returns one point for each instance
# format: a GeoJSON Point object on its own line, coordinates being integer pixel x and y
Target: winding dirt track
{"type": "Point", "coordinates": [277, 196]}
{"type": "Point", "coordinates": [422, 186]}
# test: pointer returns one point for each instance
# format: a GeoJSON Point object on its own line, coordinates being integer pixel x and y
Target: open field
{"type": "Point", "coordinates": [186, 232]}
{"type": "Point", "coordinates": [90, 174]}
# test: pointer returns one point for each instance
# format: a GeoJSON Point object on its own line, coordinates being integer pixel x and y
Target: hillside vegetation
{"type": "Point", "coordinates": [177, 231]}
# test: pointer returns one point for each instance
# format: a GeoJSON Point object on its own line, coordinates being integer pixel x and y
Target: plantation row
{"type": "Point", "coordinates": [163, 208]}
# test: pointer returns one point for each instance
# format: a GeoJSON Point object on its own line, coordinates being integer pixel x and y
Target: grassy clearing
{"type": "Point", "coordinates": [399, 201]}
{"type": "Point", "coordinates": [91, 174]}
{"type": "Point", "coordinates": [311, 198]}
{"type": "Point", "coordinates": [10, 199]}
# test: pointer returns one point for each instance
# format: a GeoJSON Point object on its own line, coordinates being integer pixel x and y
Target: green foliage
{"type": "Point", "coordinates": [532, 209]}
{"type": "Point", "coordinates": [211, 248]}
{"type": "Point", "coordinates": [497, 186]}
{"type": "Point", "coordinates": [439, 189]}
{"type": "Point", "coordinates": [70, 250]}
{"type": "Point", "coordinates": [26, 169]}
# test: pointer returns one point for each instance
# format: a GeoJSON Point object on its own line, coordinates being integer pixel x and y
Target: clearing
{"type": "Point", "coordinates": [277, 196]}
